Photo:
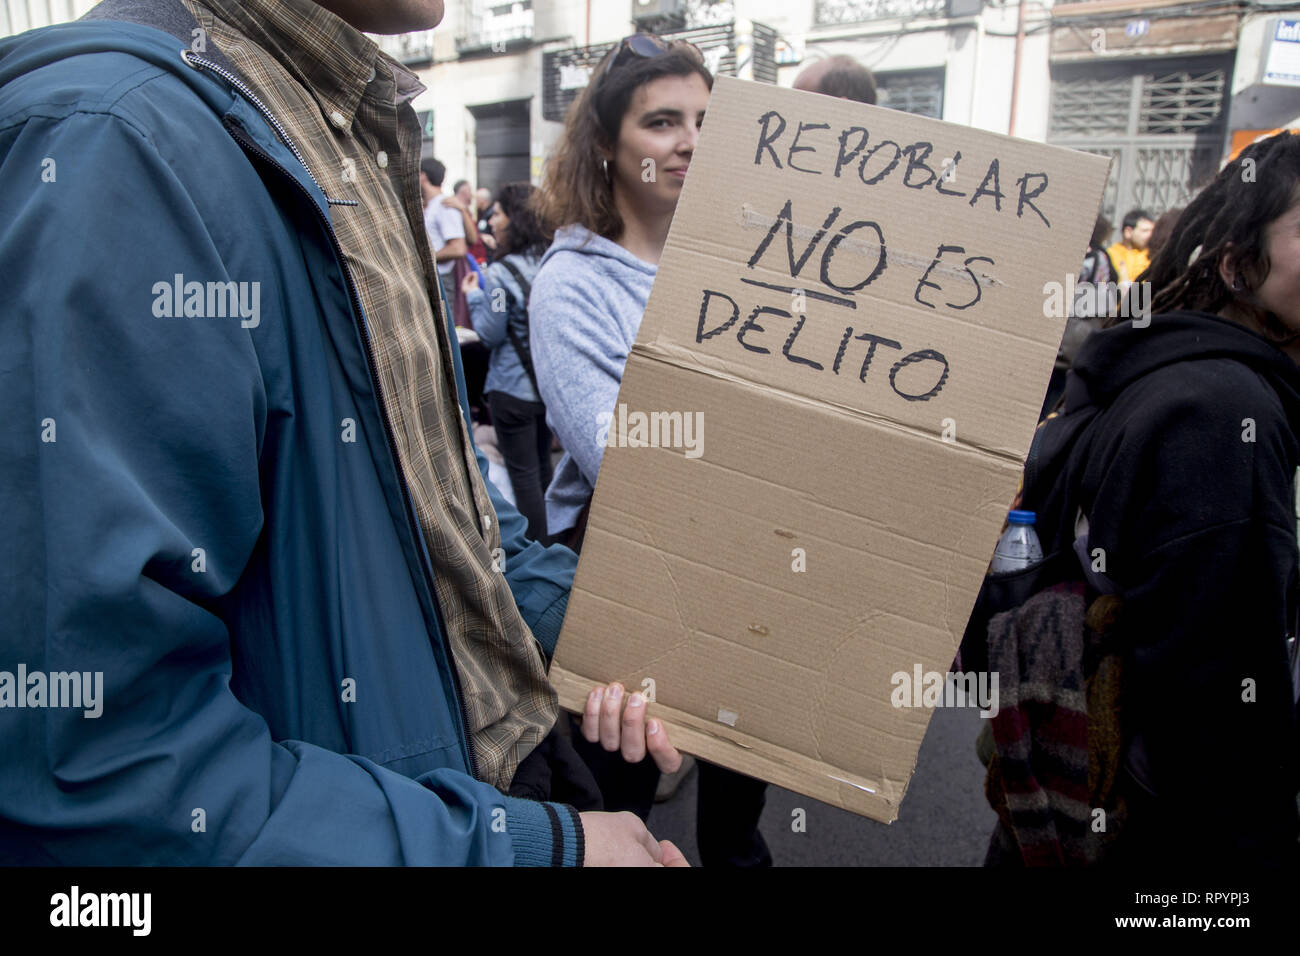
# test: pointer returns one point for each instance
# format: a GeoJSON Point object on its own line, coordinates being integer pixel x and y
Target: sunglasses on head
{"type": "Point", "coordinates": [645, 46]}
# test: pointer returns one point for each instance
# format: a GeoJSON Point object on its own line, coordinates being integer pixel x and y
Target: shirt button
{"type": "Point", "coordinates": [339, 120]}
{"type": "Point", "coordinates": [372, 74]}
{"type": "Point", "coordinates": [382, 159]}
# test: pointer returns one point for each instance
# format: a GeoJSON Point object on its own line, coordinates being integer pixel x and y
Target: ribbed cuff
{"type": "Point", "coordinates": [544, 834]}
{"type": "Point", "coordinates": [547, 626]}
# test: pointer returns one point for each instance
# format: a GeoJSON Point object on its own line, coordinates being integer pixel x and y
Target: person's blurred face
{"type": "Point", "coordinates": [387, 16]}
{"type": "Point", "coordinates": [1138, 236]}
{"type": "Point", "coordinates": [482, 199]}
{"type": "Point", "coordinates": [499, 222]}
{"type": "Point", "coordinates": [465, 194]}
{"type": "Point", "coordinates": [1280, 291]}
{"type": "Point", "coordinates": [662, 125]}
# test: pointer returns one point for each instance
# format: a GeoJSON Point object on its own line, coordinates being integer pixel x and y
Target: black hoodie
{"type": "Point", "coordinates": [1188, 479]}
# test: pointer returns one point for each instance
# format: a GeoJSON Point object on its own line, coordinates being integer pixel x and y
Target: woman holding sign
{"type": "Point", "coordinates": [612, 187]}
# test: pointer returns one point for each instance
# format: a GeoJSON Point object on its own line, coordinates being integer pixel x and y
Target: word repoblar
{"type": "Point", "coordinates": [853, 144]}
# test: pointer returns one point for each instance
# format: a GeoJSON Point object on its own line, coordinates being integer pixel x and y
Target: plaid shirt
{"type": "Point", "coordinates": [346, 106]}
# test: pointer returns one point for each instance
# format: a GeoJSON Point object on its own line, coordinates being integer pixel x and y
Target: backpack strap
{"type": "Point", "coordinates": [1057, 441]}
{"type": "Point", "coordinates": [519, 277]}
{"type": "Point", "coordinates": [513, 334]}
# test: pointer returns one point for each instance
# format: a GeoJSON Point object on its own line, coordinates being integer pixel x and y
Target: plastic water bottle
{"type": "Point", "coordinates": [1018, 547]}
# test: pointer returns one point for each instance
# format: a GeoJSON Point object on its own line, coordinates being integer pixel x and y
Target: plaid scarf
{"type": "Point", "coordinates": [1056, 737]}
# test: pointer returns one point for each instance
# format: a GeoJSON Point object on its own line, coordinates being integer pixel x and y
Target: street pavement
{"type": "Point", "coordinates": [944, 819]}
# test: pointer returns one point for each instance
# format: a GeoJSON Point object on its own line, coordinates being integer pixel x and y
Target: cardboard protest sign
{"type": "Point", "coordinates": [819, 432]}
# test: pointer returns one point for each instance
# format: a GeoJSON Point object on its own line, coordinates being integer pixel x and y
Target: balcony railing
{"type": "Point", "coordinates": [835, 12]}
{"type": "Point", "coordinates": [490, 25]}
{"type": "Point", "coordinates": [411, 49]}
{"type": "Point", "coordinates": [566, 72]}
{"type": "Point", "coordinates": [670, 16]}
{"type": "Point", "coordinates": [1117, 5]}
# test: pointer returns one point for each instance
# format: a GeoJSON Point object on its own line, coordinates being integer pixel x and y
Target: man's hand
{"type": "Point", "coordinates": [453, 202]}
{"type": "Point", "coordinates": [625, 728]}
{"type": "Point", "coordinates": [469, 282]}
{"type": "Point", "coordinates": [621, 839]}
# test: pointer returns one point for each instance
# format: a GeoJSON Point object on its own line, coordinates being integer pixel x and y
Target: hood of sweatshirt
{"type": "Point", "coordinates": [1113, 358]}
{"type": "Point", "coordinates": [609, 255]}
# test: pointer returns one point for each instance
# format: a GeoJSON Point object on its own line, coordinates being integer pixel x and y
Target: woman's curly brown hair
{"type": "Point", "coordinates": [575, 189]}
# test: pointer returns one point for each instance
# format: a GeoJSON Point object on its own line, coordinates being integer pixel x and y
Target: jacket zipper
{"type": "Point", "coordinates": [246, 143]}
{"type": "Point", "coordinates": [195, 61]}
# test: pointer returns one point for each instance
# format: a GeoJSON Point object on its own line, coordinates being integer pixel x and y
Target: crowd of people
{"type": "Point", "coordinates": [319, 622]}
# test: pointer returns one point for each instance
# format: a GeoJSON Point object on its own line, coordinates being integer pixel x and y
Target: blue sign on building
{"type": "Point", "coordinates": [1282, 66]}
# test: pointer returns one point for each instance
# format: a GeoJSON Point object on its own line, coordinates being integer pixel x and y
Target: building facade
{"type": "Point", "coordinates": [1169, 89]}
{"type": "Point", "coordinates": [19, 16]}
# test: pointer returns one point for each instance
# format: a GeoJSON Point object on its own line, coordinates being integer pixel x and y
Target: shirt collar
{"type": "Point", "coordinates": [333, 60]}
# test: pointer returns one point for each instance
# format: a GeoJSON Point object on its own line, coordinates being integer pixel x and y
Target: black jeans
{"type": "Point", "coordinates": [726, 818]}
{"type": "Point", "coordinates": [727, 807]}
{"type": "Point", "coordinates": [525, 444]}
{"type": "Point", "coordinates": [555, 771]}
{"type": "Point", "coordinates": [623, 785]}
{"type": "Point", "coordinates": [474, 358]}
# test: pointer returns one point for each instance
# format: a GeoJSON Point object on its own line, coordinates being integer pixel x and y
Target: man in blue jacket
{"type": "Point", "coordinates": [260, 603]}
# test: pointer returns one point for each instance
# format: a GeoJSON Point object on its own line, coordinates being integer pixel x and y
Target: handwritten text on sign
{"type": "Point", "coordinates": [952, 277]}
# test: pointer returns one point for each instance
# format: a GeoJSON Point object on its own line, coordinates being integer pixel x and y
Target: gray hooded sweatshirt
{"type": "Point", "coordinates": [586, 307]}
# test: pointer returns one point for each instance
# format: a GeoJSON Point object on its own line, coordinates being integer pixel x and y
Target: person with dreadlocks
{"type": "Point", "coordinates": [1179, 493]}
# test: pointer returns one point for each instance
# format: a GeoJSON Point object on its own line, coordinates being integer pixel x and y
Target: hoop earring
{"type": "Point", "coordinates": [1236, 283]}
{"type": "Point", "coordinates": [604, 167]}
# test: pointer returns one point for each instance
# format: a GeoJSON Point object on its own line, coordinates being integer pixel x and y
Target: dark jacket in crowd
{"type": "Point", "coordinates": [1188, 480]}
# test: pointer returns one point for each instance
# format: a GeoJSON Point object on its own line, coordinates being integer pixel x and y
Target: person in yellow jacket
{"type": "Point", "coordinates": [1130, 254]}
